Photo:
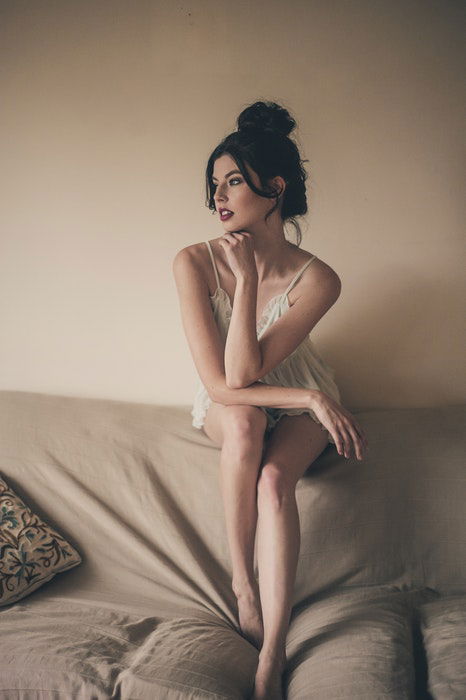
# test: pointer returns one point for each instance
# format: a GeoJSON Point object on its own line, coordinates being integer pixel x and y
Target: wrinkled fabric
{"type": "Point", "coordinates": [443, 628]}
{"type": "Point", "coordinates": [150, 612]}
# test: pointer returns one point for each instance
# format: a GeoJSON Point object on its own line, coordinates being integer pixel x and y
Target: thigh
{"type": "Point", "coordinates": [293, 444]}
{"type": "Point", "coordinates": [224, 420]}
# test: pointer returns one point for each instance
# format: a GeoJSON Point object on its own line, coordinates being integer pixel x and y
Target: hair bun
{"type": "Point", "coordinates": [265, 117]}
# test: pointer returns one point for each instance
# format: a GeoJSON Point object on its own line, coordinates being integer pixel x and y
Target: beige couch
{"type": "Point", "coordinates": [380, 595]}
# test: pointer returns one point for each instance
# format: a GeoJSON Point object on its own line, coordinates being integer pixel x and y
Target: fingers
{"type": "Point", "coordinates": [351, 439]}
{"type": "Point", "coordinates": [346, 440]}
{"type": "Point", "coordinates": [228, 235]}
{"type": "Point", "coordinates": [356, 426]}
{"type": "Point", "coordinates": [357, 442]}
{"type": "Point", "coordinates": [339, 437]}
{"type": "Point", "coordinates": [360, 432]}
{"type": "Point", "coordinates": [347, 434]}
{"type": "Point", "coordinates": [358, 435]}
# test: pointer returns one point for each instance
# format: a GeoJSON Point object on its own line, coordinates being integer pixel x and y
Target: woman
{"type": "Point", "coordinates": [248, 301]}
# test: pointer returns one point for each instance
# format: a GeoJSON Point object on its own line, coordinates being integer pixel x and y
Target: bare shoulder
{"type": "Point", "coordinates": [186, 269]}
{"type": "Point", "coordinates": [320, 272]}
{"type": "Point", "coordinates": [189, 256]}
{"type": "Point", "coordinates": [319, 279]}
{"type": "Point", "coordinates": [194, 260]}
{"type": "Point", "coordinates": [189, 252]}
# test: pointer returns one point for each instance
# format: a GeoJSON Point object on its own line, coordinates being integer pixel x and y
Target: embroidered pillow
{"type": "Point", "coordinates": [31, 552]}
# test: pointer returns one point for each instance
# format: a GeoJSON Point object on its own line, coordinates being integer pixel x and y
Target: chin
{"type": "Point", "coordinates": [234, 228]}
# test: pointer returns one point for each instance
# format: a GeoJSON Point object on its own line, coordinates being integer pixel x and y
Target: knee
{"type": "Point", "coordinates": [274, 485]}
{"type": "Point", "coordinates": [244, 423]}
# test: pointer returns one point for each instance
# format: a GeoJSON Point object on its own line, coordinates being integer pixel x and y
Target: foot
{"type": "Point", "coordinates": [250, 617]}
{"type": "Point", "coordinates": [269, 682]}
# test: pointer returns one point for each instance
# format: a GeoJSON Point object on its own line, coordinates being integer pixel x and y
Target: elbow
{"type": "Point", "coordinates": [235, 384]}
{"type": "Point", "coordinates": [243, 379]}
{"type": "Point", "coordinates": [214, 394]}
{"type": "Point", "coordinates": [218, 393]}
{"type": "Point", "coordinates": [222, 392]}
{"type": "Point", "coordinates": [238, 382]}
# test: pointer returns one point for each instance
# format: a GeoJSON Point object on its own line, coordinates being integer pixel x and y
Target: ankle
{"type": "Point", "coordinates": [275, 655]}
{"type": "Point", "coordinates": [248, 588]}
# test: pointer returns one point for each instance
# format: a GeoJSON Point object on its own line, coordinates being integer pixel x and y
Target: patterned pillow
{"type": "Point", "coordinates": [31, 552]}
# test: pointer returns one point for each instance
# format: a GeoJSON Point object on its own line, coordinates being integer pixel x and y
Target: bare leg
{"type": "Point", "coordinates": [240, 431]}
{"type": "Point", "coordinates": [294, 444]}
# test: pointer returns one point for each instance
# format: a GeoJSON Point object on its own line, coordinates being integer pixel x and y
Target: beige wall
{"type": "Point", "coordinates": [110, 110]}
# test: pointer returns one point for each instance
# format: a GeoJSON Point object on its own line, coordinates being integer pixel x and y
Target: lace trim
{"type": "Point", "coordinates": [264, 317]}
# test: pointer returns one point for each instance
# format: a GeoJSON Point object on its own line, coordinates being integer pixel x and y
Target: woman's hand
{"type": "Point", "coordinates": [239, 251]}
{"type": "Point", "coordinates": [341, 424]}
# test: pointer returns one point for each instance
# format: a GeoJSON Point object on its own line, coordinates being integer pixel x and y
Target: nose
{"type": "Point", "coordinates": [218, 196]}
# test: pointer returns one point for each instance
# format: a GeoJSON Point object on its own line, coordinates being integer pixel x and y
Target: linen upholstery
{"type": "Point", "coordinates": [443, 627]}
{"type": "Point", "coordinates": [150, 612]}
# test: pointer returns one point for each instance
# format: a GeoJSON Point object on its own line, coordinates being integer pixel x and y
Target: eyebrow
{"type": "Point", "coordinates": [230, 173]}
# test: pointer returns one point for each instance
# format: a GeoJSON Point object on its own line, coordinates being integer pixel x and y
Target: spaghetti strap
{"type": "Point", "coordinates": [298, 275]}
{"type": "Point", "coordinates": [213, 263]}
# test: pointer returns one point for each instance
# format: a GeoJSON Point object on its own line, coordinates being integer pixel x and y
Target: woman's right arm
{"type": "Point", "coordinates": [207, 348]}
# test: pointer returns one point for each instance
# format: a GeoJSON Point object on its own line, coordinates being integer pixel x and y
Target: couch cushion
{"type": "Point", "coordinates": [31, 551]}
{"type": "Point", "coordinates": [58, 648]}
{"type": "Point", "coordinates": [352, 644]}
{"type": "Point", "coordinates": [443, 628]}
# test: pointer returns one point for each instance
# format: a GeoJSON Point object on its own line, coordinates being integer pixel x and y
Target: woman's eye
{"type": "Point", "coordinates": [235, 179]}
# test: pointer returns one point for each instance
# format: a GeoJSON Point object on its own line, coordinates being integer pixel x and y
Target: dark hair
{"type": "Point", "coordinates": [262, 142]}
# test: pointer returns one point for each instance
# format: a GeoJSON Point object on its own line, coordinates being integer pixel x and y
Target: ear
{"type": "Point", "coordinates": [278, 184]}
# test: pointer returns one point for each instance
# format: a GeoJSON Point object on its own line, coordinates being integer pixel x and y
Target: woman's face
{"type": "Point", "coordinates": [233, 193]}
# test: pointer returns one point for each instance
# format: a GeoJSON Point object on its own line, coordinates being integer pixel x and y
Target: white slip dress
{"type": "Point", "coordinates": [304, 368]}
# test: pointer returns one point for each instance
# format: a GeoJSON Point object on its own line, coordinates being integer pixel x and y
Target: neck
{"type": "Point", "coordinates": [271, 250]}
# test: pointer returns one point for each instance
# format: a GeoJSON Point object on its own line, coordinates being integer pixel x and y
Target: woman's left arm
{"type": "Point", "coordinates": [242, 351]}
